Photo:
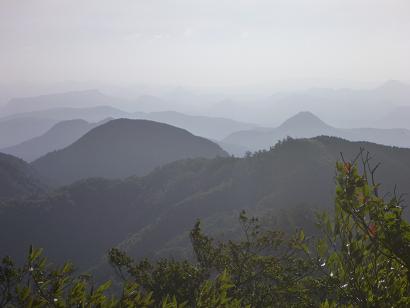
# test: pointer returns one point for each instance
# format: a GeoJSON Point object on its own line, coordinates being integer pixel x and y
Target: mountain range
{"type": "Point", "coordinates": [94, 106]}
{"type": "Point", "coordinates": [57, 137]}
{"type": "Point", "coordinates": [236, 138]}
{"type": "Point", "coordinates": [121, 148]}
{"type": "Point", "coordinates": [342, 107]}
{"type": "Point", "coordinates": [15, 131]}
{"type": "Point", "coordinates": [306, 125]}
{"type": "Point", "coordinates": [92, 114]}
{"type": "Point", "coordinates": [209, 127]}
{"type": "Point", "coordinates": [20, 127]}
{"type": "Point", "coordinates": [72, 99]}
{"type": "Point", "coordinates": [150, 216]}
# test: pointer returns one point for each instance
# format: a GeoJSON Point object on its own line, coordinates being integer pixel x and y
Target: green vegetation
{"type": "Point", "coordinates": [152, 216]}
{"type": "Point", "coordinates": [360, 259]}
{"type": "Point", "coordinates": [17, 179]}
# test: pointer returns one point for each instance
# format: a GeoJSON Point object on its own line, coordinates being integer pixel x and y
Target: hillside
{"type": "Point", "coordinates": [15, 131]}
{"type": "Point", "coordinates": [59, 136]}
{"type": "Point", "coordinates": [307, 125]}
{"type": "Point", "coordinates": [17, 179]}
{"type": "Point", "coordinates": [150, 216]}
{"type": "Point", "coordinates": [122, 148]}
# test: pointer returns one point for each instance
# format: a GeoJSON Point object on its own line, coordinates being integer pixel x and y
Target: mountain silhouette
{"type": "Point", "coordinates": [304, 120]}
{"type": "Point", "coordinates": [394, 89]}
{"type": "Point", "coordinates": [307, 125]}
{"type": "Point", "coordinates": [122, 148]}
{"type": "Point", "coordinates": [208, 127]}
{"type": "Point", "coordinates": [343, 107]}
{"type": "Point", "coordinates": [92, 114]}
{"type": "Point", "coordinates": [72, 99]}
{"type": "Point", "coordinates": [17, 130]}
{"type": "Point", "coordinates": [204, 126]}
{"type": "Point", "coordinates": [59, 136]}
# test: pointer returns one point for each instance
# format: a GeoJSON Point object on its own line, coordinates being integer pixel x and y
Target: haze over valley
{"type": "Point", "coordinates": [208, 154]}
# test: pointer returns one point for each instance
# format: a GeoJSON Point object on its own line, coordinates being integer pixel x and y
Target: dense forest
{"type": "Point", "coordinates": [360, 257]}
{"type": "Point", "coordinates": [151, 216]}
{"type": "Point", "coordinates": [18, 179]}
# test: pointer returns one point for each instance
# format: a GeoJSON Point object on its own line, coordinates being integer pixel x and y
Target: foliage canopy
{"type": "Point", "coordinates": [361, 259]}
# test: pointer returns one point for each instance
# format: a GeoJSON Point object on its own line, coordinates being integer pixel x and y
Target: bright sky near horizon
{"type": "Point", "coordinates": [203, 42]}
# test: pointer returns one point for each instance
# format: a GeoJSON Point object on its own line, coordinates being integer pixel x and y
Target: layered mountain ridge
{"type": "Point", "coordinates": [307, 125]}
{"type": "Point", "coordinates": [122, 148]}
{"type": "Point", "coordinates": [57, 137]}
{"type": "Point", "coordinates": [151, 216]}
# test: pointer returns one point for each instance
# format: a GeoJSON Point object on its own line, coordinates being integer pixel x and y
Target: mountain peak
{"type": "Point", "coordinates": [393, 85]}
{"type": "Point", "coordinates": [68, 123]}
{"type": "Point", "coordinates": [304, 120]}
{"type": "Point", "coordinates": [122, 148]}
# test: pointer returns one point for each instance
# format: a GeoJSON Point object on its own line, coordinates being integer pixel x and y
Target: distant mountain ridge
{"type": "Point", "coordinates": [342, 107]}
{"type": "Point", "coordinates": [66, 132]}
{"type": "Point", "coordinates": [307, 125]}
{"type": "Point", "coordinates": [72, 99]}
{"type": "Point", "coordinates": [57, 137]}
{"type": "Point", "coordinates": [304, 121]}
{"type": "Point", "coordinates": [208, 127]}
{"type": "Point", "coordinates": [122, 148]}
{"type": "Point", "coordinates": [21, 127]}
{"type": "Point", "coordinates": [93, 114]}
{"type": "Point", "coordinates": [15, 131]}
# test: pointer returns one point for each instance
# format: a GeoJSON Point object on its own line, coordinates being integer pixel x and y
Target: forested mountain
{"type": "Point", "coordinates": [59, 136]}
{"type": "Point", "coordinates": [17, 179]}
{"type": "Point", "coordinates": [122, 148]}
{"type": "Point", "coordinates": [234, 149]}
{"type": "Point", "coordinates": [307, 125]}
{"type": "Point", "coordinates": [151, 215]}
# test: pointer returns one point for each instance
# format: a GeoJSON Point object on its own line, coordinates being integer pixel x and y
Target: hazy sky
{"type": "Point", "coordinates": [210, 42]}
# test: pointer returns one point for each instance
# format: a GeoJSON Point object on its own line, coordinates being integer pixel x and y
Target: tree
{"type": "Point", "coordinates": [265, 267]}
{"type": "Point", "coordinates": [361, 259]}
{"type": "Point", "coordinates": [38, 284]}
{"type": "Point", "coordinates": [364, 254]}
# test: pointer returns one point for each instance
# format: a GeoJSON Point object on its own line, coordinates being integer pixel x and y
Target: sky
{"type": "Point", "coordinates": [203, 43]}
